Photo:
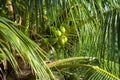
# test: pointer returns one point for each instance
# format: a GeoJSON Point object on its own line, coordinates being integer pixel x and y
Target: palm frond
{"type": "Point", "coordinates": [87, 72]}
{"type": "Point", "coordinates": [25, 47]}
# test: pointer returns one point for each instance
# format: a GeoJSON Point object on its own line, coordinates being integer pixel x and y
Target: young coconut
{"type": "Point", "coordinates": [62, 29]}
{"type": "Point", "coordinates": [63, 40]}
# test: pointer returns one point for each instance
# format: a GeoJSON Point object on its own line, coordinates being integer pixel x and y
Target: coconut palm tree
{"type": "Point", "coordinates": [60, 39]}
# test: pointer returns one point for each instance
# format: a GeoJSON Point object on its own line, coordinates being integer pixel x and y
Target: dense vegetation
{"type": "Point", "coordinates": [60, 39]}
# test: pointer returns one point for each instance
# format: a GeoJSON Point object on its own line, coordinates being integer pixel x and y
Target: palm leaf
{"type": "Point", "coordinates": [88, 72]}
{"type": "Point", "coordinates": [27, 48]}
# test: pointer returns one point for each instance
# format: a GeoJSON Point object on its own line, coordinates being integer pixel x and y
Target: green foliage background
{"type": "Point", "coordinates": [92, 29]}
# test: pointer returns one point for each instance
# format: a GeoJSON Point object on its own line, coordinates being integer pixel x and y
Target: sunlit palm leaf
{"type": "Point", "coordinates": [29, 50]}
{"type": "Point", "coordinates": [89, 73]}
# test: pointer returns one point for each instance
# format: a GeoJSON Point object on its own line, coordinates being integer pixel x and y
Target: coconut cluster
{"type": "Point", "coordinates": [58, 36]}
